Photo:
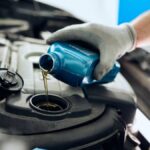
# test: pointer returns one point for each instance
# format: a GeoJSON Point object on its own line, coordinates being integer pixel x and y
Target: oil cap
{"type": "Point", "coordinates": [10, 82]}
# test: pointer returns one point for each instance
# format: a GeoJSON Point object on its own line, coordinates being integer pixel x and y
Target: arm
{"type": "Point", "coordinates": [112, 42]}
{"type": "Point", "coordinates": [142, 27]}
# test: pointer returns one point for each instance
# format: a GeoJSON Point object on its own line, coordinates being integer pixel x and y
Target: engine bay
{"type": "Point", "coordinates": [96, 117]}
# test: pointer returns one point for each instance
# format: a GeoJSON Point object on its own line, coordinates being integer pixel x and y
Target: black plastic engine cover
{"type": "Point", "coordinates": [122, 101]}
{"type": "Point", "coordinates": [18, 117]}
{"type": "Point", "coordinates": [90, 120]}
{"type": "Point", "coordinates": [99, 125]}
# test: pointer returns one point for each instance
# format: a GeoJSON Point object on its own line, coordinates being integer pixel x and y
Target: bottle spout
{"type": "Point", "coordinates": [46, 62]}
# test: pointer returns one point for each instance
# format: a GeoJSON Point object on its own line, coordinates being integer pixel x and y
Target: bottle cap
{"type": "Point", "coordinates": [10, 82]}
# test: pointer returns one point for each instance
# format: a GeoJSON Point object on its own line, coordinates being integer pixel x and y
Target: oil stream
{"type": "Point", "coordinates": [48, 105]}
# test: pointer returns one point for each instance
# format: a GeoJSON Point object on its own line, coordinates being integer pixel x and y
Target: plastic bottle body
{"type": "Point", "coordinates": [70, 63]}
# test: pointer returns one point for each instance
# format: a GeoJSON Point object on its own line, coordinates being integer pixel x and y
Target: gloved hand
{"type": "Point", "coordinates": [112, 42]}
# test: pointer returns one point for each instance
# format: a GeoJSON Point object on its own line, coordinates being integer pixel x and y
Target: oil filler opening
{"type": "Point", "coordinates": [51, 104]}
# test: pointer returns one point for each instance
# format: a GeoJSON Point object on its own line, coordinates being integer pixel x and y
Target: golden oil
{"type": "Point", "coordinates": [49, 105]}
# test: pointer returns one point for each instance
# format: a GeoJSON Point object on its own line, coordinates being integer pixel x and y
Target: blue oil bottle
{"type": "Point", "coordinates": [74, 64]}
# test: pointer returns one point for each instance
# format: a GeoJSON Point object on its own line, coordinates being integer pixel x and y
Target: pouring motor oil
{"type": "Point", "coordinates": [74, 64]}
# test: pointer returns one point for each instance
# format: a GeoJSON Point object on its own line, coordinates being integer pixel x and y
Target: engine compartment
{"type": "Point", "coordinates": [95, 118]}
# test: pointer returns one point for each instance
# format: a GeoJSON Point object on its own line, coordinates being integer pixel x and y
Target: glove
{"type": "Point", "coordinates": [112, 42]}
